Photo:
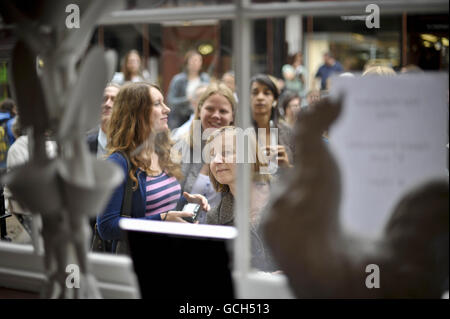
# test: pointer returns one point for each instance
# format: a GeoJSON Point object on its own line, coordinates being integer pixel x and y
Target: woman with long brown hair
{"type": "Point", "coordinates": [138, 131]}
{"type": "Point", "coordinates": [131, 69]}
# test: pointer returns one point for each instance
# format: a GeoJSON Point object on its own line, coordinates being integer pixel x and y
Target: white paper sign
{"type": "Point", "coordinates": [391, 136]}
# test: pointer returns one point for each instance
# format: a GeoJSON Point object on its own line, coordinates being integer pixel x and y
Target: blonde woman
{"type": "Point", "coordinates": [221, 146]}
{"type": "Point", "coordinates": [215, 109]}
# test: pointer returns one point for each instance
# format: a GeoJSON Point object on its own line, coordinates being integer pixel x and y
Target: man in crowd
{"type": "Point", "coordinates": [96, 138]}
{"type": "Point", "coordinates": [329, 67]}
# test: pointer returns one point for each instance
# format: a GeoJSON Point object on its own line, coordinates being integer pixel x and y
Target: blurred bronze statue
{"type": "Point", "coordinates": [411, 258]}
{"type": "Point", "coordinates": [57, 94]}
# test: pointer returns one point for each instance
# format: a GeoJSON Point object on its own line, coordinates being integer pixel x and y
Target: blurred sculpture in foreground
{"type": "Point", "coordinates": [53, 95]}
{"type": "Point", "coordinates": [321, 261]}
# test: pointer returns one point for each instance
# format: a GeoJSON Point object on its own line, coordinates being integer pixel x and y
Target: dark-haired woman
{"type": "Point", "coordinates": [289, 106]}
{"type": "Point", "coordinates": [263, 96]}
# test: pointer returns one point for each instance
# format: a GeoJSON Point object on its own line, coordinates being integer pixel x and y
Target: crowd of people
{"type": "Point", "coordinates": [138, 128]}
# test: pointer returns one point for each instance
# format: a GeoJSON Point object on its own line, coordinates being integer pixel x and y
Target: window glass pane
{"type": "Point", "coordinates": [162, 48]}
{"type": "Point", "coordinates": [401, 40]}
{"type": "Point", "coordinates": [169, 51]}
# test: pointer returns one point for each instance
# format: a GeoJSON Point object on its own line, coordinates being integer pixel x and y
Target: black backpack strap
{"type": "Point", "coordinates": [127, 198]}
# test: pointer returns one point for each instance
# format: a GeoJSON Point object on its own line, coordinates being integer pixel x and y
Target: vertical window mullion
{"type": "Point", "coordinates": [241, 52]}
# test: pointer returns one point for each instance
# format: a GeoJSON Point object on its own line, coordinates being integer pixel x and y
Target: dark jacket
{"type": "Point", "coordinates": [224, 215]}
{"type": "Point", "coordinates": [92, 140]}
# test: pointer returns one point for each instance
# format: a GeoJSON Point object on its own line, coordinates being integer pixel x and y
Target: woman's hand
{"type": "Point", "coordinates": [281, 155]}
{"type": "Point", "coordinates": [198, 199]}
{"type": "Point", "coordinates": [175, 216]}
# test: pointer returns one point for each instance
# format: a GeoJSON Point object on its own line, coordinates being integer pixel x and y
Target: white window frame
{"type": "Point", "coordinates": [21, 269]}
